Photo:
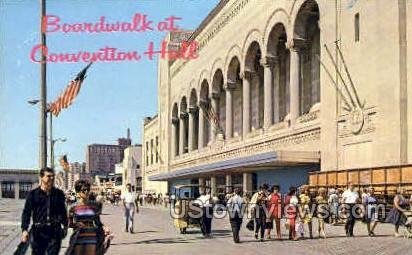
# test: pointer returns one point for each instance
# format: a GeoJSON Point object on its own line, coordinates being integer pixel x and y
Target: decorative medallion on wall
{"type": "Point", "coordinates": [347, 93]}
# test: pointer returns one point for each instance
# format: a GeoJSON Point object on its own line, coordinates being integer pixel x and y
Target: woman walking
{"type": "Point", "coordinates": [397, 214]}
{"type": "Point", "coordinates": [371, 213]}
{"type": "Point", "coordinates": [84, 217]}
{"type": "Point", "coordinates": [322, 211]}
{"type": "Point", "coordinates": [291, 212]}
{"type": "Point", "coordinates": [305, 203]}
{"type": "Point", "coordinates": [274, 206]}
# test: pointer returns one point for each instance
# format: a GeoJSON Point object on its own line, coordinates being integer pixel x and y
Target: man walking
{"type": "Point", "coordinates": [129, 198]}
{"type": "Point", "coordinates": [46, 206]}
{"type": "Point", "coordinates": [349, 199]}
{"type": "Point", "coordinates": [236, 206]}
{"type": "Point", "coordinates": [205, 202]}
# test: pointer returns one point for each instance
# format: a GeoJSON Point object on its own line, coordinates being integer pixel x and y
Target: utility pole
{"type": "Point", "coordinates": [43, 93]}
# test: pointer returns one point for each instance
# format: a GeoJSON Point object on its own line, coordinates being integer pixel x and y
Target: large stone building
{"type": "Point", "coordinates": [275, 74]}
{"type": "Point", "coordinates": [101, 158]}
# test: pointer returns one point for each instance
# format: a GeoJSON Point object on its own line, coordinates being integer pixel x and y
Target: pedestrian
{"type": "Point", "coordinates": [89, 234]}
{"type": "Point", "coordinates": [397, 215]}
{"type": "Point", "coordinates": [291, 213]}
{"type": "Point", "coordinates": [274, 206]}
{"type": "Point", "coordinates": [349, 199]}
{"type": "Point", "coordinates": [305, 208]}
{"type": "Point", "coordinates": [322, 211]}
{"type": "Point", "coordinates": [370, 210]}
{"type": "Point", "coordinates": [258, 203]}
{"type": "Point", "coordinates": [46, 206]}
{"type": "Point", "coordinates": [206, 203]}
{"type": "Point", "coordinates": [235, 206]}
{"type": "Point", "coordinates": [333, 202]}
{"type": "Point", "coordinates": [129, 198]}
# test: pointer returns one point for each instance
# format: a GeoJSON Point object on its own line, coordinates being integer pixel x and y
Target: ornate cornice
{"type": "Point", "coordinates": [204, 38]}
{"type": "Point", "coordinates": [241, 148]}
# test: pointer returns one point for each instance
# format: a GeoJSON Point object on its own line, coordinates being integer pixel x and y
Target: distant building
{"type": "Point", "coordinates": [77, 172]}
{"type": "Point", "coordinates": [16, 183]}
{"type": "Point", "coordinates": [101, 158]}
{"type": "Point", "coordinates": [132, 167]}
{"type": "Point", "coordinates": [152, 156]}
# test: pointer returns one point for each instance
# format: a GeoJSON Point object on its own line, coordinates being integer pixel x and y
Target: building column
{"type": "Point", "coordinates": [1, 189]}
{"type": "Point", "coordinates": [294, 79]}
{"type": "Point", "coordinates": [247, 182]}
{"type": "Point", "coordinates": [247, 79]}
{"type": "Point", "coordinates": [201, 183]}
{"type": "Point", "coordinates": [276, 89]}
{"type": "Point", "coordinates": [215, 106]}
{"type": "Point", "coordinates": [213, 185]}
{"type": "Point", "coordinates": [192, 113]}
{"type": "Point", "coordinates": [175, 147]}
{"type": "Point", "coordinates": [16, 189]}
{"type": "Point", "coordinates": [267, 64]}
{"type": "Point", "coordinates": [201, 141]}
{"type": "Point", "coordinates": [230, 86]}
{"type": "Point", "coordinates": [182, 135]}
{"type": "Point", "coordinates": [228, 183]}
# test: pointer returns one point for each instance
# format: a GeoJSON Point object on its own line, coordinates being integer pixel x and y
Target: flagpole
{"type": "Point", "coordinates": [43, 94]}
{"type": "Point", "coordinates": [51, 142]}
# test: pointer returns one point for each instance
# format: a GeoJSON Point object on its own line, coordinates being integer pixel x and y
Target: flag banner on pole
{"type": "Point", "coordinates": [212, 117]}
{"type": "Point", "coordinates": [70, 93]}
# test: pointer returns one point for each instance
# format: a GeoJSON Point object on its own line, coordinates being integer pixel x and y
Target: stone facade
{"type": "Point", "coordinates": [16, 183]}
{"type": "Point", "coordinates": [132, 163]}
{"type": "Point", "coordinates": [290, 77]}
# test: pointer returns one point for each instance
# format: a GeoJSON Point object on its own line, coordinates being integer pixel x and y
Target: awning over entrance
{"type": "Point", "coordinates": [268, 158]}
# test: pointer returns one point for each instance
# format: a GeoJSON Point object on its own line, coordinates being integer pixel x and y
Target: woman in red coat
{"type": "Point", "coordinates": [274, 206]}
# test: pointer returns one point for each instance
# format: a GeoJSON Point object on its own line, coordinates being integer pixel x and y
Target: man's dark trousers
{"type": "Point", "coordinates": [45, 240]}
{"type": "Point", "coordinates": [235, 223]}
{"type": "Point", "coordinates": [350, 222]}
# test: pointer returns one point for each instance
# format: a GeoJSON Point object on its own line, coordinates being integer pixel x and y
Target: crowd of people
{"type": "Point", "coordinates": [46, 207]}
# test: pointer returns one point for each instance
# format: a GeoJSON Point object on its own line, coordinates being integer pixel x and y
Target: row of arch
{"type": "Point", "coordinates": [279, 85]}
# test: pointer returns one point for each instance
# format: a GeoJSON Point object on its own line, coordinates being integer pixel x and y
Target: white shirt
{"type": "Point", "coordinates": [204, 200]}
{"type": "Point", "coordinates": [128, 197]}
{"type": "Point", "coordinates": [235, 200]}
{"type": "Point", "coordinates": [350, 197]}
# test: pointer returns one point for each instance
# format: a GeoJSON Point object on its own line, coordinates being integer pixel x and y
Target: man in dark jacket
{"type": "Point", "coordinates": [46, 206]}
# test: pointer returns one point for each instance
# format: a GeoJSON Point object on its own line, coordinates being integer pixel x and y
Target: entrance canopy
{"type": "Point", "coordinates": [268, 159]}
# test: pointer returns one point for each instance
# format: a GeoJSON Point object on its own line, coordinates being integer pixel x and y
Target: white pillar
{"type": "Point", "coordinates": [268, 94]}
{"type": "Point", "coordinates": [16, 189]}
{"type": "Point", "coordinates": [192, 113]}
{"type": "Point", "coordinates": [213, 185]}
{"type": "Point", "coordinates": [228, 182]}
{"type": "Point", "coordinates": [175, 147]}
{"type": "Point", "coordinates": [215, 106]}
{"type": "Point", "coordinates": [247, 182]}
{"type": "Point", "coordinates": [276, 90]}
{"type": "Point", "coordinates": [229, 109]}
{"type": "Point", "coordinates": [201, 183]}
{"type": "Point", "coordinates": [201, 138]}
{"type": "Point", "coordinates": [247, 79]}
{"type": "Point", "coordinates": [294, 79]}
{"type": "Point", "coordinates": [182, 135]}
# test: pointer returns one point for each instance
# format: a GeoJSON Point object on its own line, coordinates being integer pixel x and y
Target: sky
{"type": "Point", "coordinates": [114, 96]}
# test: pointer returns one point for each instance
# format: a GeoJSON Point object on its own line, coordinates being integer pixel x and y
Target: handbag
{"type": "Point", "coordinates": [250, 225]}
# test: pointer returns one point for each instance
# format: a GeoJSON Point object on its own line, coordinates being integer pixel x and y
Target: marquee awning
{"type": "Point", "coordinates": [241, 162]}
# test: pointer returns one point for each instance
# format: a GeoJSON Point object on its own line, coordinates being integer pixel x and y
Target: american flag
{"type": "Point", "coordinates": [70, 93]}
{"type": "Point", "coordinates": [212, 117]}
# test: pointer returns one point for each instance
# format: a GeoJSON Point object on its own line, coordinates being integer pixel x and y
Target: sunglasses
{"type": "Point", "coordinates": [84, 190]}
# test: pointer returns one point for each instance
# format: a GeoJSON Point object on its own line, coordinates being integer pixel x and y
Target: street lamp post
{"type": "Point", "coordinates": [43, 93]}
{"type": "Point", "coordinates": [52, 142]}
